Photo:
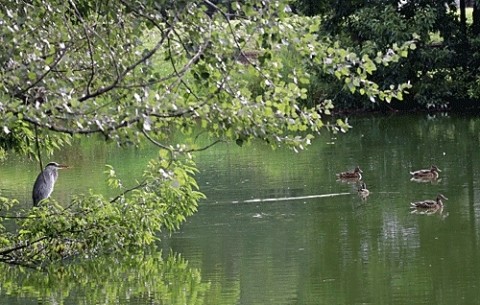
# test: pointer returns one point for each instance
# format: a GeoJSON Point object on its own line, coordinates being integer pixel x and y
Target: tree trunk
{"type": "Point", "coordinates": [476, 18]}
{"type": "Point", "coordinates": [463, 17]}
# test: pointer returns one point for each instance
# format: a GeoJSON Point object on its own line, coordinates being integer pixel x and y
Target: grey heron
{"type": "Point", "coordinates": [45, 182]}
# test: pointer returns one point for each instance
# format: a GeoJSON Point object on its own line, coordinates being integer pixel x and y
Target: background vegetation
{"type": "Point", "coordinates": [443, 69]}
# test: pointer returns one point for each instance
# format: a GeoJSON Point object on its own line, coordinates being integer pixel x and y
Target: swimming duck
{"type": "Point", "coordinates": [429, 204]}
{"type": "Point", "coordinates": [355, 174]}
{"type": "Point", "coordinates": [362, 191]}
{"type": "Point", "coordinates": [431, 173]}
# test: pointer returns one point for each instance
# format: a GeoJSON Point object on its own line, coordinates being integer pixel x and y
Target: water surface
{"type": "Point", "coordinates": [278, 228]}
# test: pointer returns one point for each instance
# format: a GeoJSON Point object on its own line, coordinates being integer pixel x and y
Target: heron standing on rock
{"type": "Point", "coordinates": [45, 182]}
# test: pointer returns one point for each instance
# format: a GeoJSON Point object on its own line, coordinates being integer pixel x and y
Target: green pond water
{"type": "Point", "coordinates": [278, 228]}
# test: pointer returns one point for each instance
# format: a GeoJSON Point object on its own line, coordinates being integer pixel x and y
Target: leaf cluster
{"type": "Point", "coordinates": [91, 224]}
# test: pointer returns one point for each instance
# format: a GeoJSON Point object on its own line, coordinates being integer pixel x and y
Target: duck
{"type": "Point", "coordinates": [431, 173]}
{"type": "Point", "coordinates": [355, 174]}
{"type": "Point", "coordinates": [362, 191]}
{"type": "Point", "coordinates": [429, 204]}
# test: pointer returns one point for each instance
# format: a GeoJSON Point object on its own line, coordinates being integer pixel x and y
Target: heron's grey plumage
{"type": "Point", "coordinates": [45, 182]}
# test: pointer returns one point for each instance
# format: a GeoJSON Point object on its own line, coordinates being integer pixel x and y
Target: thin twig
{"type": "Point", "coordinates": [205, 147]}
{"type": "Point", "coordinates": [170, 150]}
{"type": "Point", "coordinates": [232, 31]}
{"type": "Point", "coordinates": [61, 54]}
{"type": "Point", "coordinates": [20, 247]}
{"type": "Point", "coordinates": [17, 217]}
{"type": "Point", "coordinates": [124, 73]}
{"type": "Point", "coordinates": [37, 144]}
{"type": "Point", "coordinates": [144, 183]}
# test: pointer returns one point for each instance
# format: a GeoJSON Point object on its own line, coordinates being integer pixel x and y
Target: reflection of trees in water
{"type": "Point", "coordinates": [137, 279]}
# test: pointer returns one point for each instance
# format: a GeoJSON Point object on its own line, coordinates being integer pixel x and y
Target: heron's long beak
{"type": "Point", "coordinates": [61, 166]}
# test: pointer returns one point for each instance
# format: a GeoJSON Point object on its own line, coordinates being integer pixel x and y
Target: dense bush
{"type": "Point", "coordinates": [442, 69]}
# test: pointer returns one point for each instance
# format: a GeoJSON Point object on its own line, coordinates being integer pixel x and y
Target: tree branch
{"type": "Point", "coordinates": [127, 70]}
{"type": "Point", "coordinates": [21, 93]}
{"type": "Point", "coordinates": [205, 147]}
{"type": "Point", "coordinates": [157, 143]}
{"type": "Point", "coordinates": [128, 191]}
{"type": "Point", "coordinates": [232, 31]}
{"type": "Point", "coordinates": [20, 247]}
{"type": "Point", "coordinates": [37, 145]}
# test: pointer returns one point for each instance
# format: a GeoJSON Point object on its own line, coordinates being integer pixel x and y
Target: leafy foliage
{"type": "Point", "coordinates": [133, 71]}
{"type": "Point", "coordinates": [442, 68]}
{"type": "Point", "coordinates": [92, 224]}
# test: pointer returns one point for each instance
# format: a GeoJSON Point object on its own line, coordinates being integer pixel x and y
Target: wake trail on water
{"type": "Point", "coordinates": [290, 198]}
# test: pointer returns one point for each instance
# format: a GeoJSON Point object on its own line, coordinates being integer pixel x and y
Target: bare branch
{"type": "Point", "coordinates": [205, 147]}
{"type": "Point", "coordinates": [37, 145]}
{"type": "Point", "coordinates": [136, 11]}
{"type": "Point", "coordinates": [15, 217]}
{"type": "Point", "coordinates": [20, 94]}
{"type": "Point", "coordinates": [187, 66]}
{"type": "Point", "coordinates": [112, 55]}
{"type": "Point", "coordinates": [232, 31]}
{"type": "Point", "coordinates": [21, 246]}
{"type": "Point", "coordinates": [92, 62]}
{"type": "Point", "coordinates": [121, 75]}
{"type": "Point", "coordinates": [143, 184]}
{"type": "Point", "coordinates": [85, 131]}
{"type": "Point", "coordinates": [156, 142]}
